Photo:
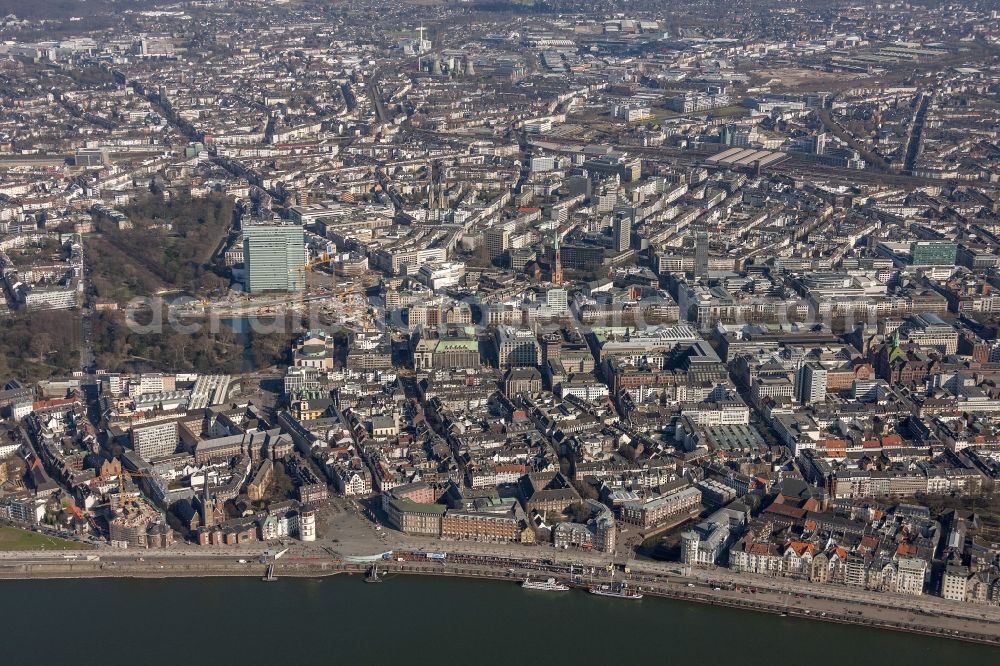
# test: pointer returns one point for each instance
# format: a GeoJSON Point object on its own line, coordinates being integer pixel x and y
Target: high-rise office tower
{"type": "Point", "coordinates": [811, 379]}
{"type": "Point", "coordinates": [819, 143]}
{"type": "Point", "coordinates": [557, 300]}
{"type": "Point", "coordinates": [274, 253]}
{"type": "Point", "coordinates": [622, 232]}
{"type": "Point", "coordinates": [701, 254]}
{"type": "Point", "coordinates": [497, 241]}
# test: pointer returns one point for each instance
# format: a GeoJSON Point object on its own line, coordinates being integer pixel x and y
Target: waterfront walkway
{"type": "Point", "coordinates": [925, 614]}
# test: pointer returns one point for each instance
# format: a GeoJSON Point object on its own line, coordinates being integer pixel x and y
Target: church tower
{"type": "Point", "coordinates": [557, 270]}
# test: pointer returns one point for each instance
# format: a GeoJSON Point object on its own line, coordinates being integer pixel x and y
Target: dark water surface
{"type": "Point", "coordinates": [411, 620]}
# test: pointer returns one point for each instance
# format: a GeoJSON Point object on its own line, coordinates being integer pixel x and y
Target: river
{"type": "Point", "coordinates": [414, 620]}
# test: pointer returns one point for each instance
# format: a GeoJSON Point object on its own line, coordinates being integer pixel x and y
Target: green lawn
{"type": "Point", "coordinates": [730, 111]}
{"type": "Point", "coordinates": [12, 538]}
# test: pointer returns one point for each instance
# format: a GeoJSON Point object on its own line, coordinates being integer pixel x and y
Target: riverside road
{"type": "Point", "coordinates": [352, 541]}
{"type": "Point", "coordinates": [925, 615]}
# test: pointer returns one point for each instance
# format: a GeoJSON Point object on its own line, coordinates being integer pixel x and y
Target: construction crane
{"type": "Point", "coordinates": [121, 482]}
{"type": "Point", "coordinates": [351, 304]}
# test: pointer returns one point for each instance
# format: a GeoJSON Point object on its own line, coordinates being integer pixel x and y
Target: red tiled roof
{"type": "Point", "coordinates": [785, 510]}
{"type": "Point", "coordinates": [57, 402]}
{"type": "Point", "coordinates": [800, 547]}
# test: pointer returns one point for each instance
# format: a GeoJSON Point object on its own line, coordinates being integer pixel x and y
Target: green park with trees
{"type": "Point", "coordinates": [169, 248]}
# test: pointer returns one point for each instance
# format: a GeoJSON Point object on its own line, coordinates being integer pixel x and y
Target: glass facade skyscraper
{"type": "Point", "coordinates": [274, 254]}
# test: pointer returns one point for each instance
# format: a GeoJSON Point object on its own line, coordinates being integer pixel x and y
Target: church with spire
{"type": "Point", "coordinates": [557, 269]}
